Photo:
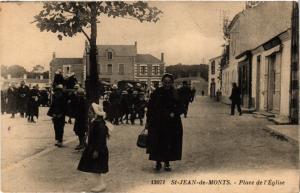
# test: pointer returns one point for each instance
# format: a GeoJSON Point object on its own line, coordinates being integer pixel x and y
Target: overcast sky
{"type": "Point", "coordinates": [187, 32]}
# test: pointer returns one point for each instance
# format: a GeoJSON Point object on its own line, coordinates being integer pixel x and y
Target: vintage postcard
{"type": "Point", "coordinates": [150, 96]}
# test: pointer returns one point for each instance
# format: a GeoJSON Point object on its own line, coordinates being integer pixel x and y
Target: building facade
{"type": "Point", "coordinates": [148, 69]}
{"type": "Point", "coordinates": [214, 76]}
{"type": "Point", "coordinates": [122, 62]}
{"type": "Point", "coordinates": [67, 66]}
{"type": "Point", "coordinates": [260, 58]}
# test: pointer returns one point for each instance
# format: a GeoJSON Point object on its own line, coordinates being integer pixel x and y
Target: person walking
{"type": "Point", "coordinates": [193, 94]}
{"type": "Point", "coordinates": [23, 92]}
{"type": "Point", "coordinates": [80, 113]}
{"type": "Point", "coordinates": [114, 100]}
{"type": "Point", "coordinates": [57, 111]}
{"type": "Point", "coordinates": [33, 104]}
{"type": "Point", "coordinates": [94, 158]}
{"type": "Point", "coordinates": [164, 142]}
{"type": "Point", "coordinates": [235, 98]}
{"type": "Point", "coordinates": [3, 101]}
{"type": "Point", "coordinates": [185, 95]}
{"type": "Point", "coordinates": [133, 103]}
{"type": "Point", "coordinates": [140, 107]}
{"type": "Point", "coordinates": [12, 100]}
{"type": "Point", "coordinates": [124, 106]}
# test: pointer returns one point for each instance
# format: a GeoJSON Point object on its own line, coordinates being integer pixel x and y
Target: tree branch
{"type": "Point", "coordinates": [86, 35]}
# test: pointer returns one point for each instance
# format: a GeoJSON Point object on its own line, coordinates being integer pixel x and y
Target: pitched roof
{"type": "Point", "coordinates": [147, 58]}
{"type": "Point", "coordinates": [67, 61]}
{"type": "Point", "coordinates": [119, 50]}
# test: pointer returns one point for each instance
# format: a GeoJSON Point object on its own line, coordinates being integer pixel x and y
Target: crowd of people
{"type": "Point", "coordinates": [67, 100]}
{"type": "Point", "coordinates": [24, 99]}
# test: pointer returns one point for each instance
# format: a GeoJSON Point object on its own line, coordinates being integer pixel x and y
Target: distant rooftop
{"type": "Point", "coordinates": [119, 50]}
{"type": "Point", "coordinates": [67, 61]}
{"type": "Point", "coordinates": [147, 59]}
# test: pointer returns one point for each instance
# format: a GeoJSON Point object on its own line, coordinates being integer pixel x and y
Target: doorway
{"type": "Point", "coordinates": [273, 88]}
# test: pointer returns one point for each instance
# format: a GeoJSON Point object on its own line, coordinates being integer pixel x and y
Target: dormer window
{"type": "Point", "coordinates": [109, 55]}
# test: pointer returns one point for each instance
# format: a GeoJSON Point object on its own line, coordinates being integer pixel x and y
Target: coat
{"type": "Point", "coordinates": [3, 101]}
{"type": "Point", "coordinates": [33, 103]}
{"type": "Point", "coordinates": [80, 114]}
{"type": "Point", "coordinates": [12, 99]}
{"type": "Point", "coordinates": [235, 96]}
{"type": "Point", "coordinates": [164, 141]}
{"type": "Point", "coordinates": [58, 79]}
{"type": "Point", "coordinates": [72, 100]}
{"type": "Point", "coordinates": [71, 82]}
{"type": "Point", "coordinates": [23, 93]}
{"type": "Point", "coordinates": [58, 106]}
{"type": "Point", "coordinates": [98, 133]}
{"type": "Point", "coordinates": [185, 94]}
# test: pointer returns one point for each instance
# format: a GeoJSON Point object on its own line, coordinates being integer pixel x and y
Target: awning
{"type": "Point", "coordinates": [273, 50]}
{"type": "Point", "coordinates": [243, 56]}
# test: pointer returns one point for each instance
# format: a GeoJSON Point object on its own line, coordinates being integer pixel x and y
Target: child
{"type": "Point", "coordinates": [95, 157]}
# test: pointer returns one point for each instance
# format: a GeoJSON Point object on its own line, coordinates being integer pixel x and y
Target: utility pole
{"type": "Point", "coordinates": [294, 88]}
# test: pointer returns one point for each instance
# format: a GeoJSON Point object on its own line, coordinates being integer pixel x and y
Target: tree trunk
{"type": "Point", "coordinates": [92, 87]}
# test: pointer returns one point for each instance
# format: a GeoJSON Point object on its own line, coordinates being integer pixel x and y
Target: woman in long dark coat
{"type": "Point", "coordinates": [12, 100]}
{"type": "Point", "coordinates": [33, 104]}
{"type": "Point", "coordinates": [164, 143]}
{"type": "Point", "coordinates": [95, 157]}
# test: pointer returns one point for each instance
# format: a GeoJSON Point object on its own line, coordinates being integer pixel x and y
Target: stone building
{"type": "Point", "coordinates": [67, 66]}
{"type": "Point", "coordinates": [122, 62]}
{"type": "Point", "coordinates": [214, 76]}
{"type": "Point", "coordinates": [260, 58]}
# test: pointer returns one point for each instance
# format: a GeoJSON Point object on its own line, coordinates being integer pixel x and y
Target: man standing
{"type": "Point", "coordinates": [185, 94]}
{"type": "Point", "coordinates": [193, 94]}
{"type": "Point", "coordinates": [57, 111]}
{"type": "Point", "coordinates": [23, 92]}
{"type": "Point", "coordinates": [235, 98]}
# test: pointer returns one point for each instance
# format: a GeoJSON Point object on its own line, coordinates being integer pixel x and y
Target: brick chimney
{"type": "Point", "coordinates": [135, 44]}
{"type": "Point", "coordinates": [162, 58]}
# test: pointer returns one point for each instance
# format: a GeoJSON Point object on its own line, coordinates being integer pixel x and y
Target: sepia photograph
{"type": "Point", "coordinates": [149, 96]}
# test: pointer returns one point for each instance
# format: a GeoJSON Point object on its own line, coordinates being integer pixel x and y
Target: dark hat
{"type": "Point", "coordinates": [184, 82]}
{"type": "Point", "coordinates": [171, 76]}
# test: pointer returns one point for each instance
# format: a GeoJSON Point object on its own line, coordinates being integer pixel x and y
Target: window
{"type": "Point", "coordinates": [109, 68]}
{"type": "Point", "coordinates": [66, 70]}
{"type": "Point", "coordinates": [155, 70]}
{"type": "Point", "coordinates": [213, 67]}
{"type": "Point", "coordinates": [109, 55]}
{"type": "Point", "coordinates": [143, 69]}
{"type": "Point", "coordinates": [121, 69]}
